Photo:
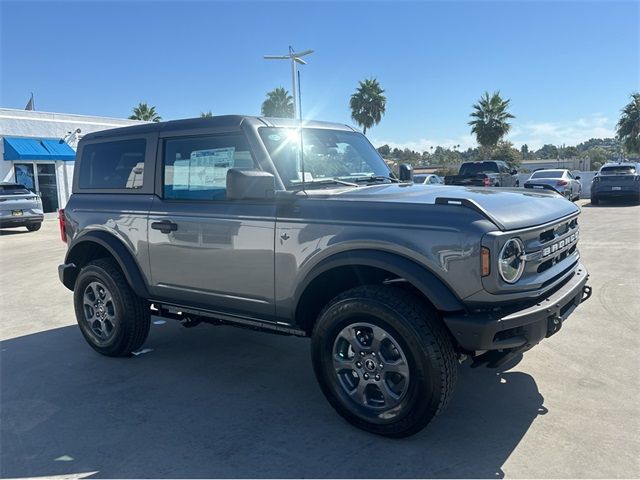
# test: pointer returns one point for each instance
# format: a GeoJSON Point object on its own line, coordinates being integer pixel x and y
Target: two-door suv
{"type": "Point", "coordinates": [305, 231]}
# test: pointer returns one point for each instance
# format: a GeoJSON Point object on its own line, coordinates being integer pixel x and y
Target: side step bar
{"type": "Point", "coordinates": [187, 314]}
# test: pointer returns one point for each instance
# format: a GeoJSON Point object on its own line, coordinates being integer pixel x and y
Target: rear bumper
{"type": "Point", "coordinates": [21, 221]}
{"type": "Point", "coordinates": [631, 189]}
{"type": "Point", "coordinates": [520, 327]}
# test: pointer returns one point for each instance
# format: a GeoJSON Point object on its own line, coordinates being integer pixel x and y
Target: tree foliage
{"type": "Point", "coordinates": [628, 128]}
{"type": "Point", "coordinates": [144, 112]}
{"type": "Point", "coordinates": [490, 119]}
{"type": "Point", "coordinates": [278, 104]}
{"type": "Point", "coordinates": [384, 150]}
{"type": "Point", "coordinates": [547, 152]}
{"type": "Point", "coordinates": [368, 104]}
{"type": "Point", "coordinates": [506, 152]}
{"type": "Point", "coordinates": [206, 114]}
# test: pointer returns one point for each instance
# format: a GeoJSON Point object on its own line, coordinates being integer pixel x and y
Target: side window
{"type": "Point", "coordinates": [195, 168]}
{"type": "Point", "coordinates": [113, 165]}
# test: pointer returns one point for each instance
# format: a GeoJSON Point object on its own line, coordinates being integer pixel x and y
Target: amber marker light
{"type": "Point", "coordinates": [486, 261]}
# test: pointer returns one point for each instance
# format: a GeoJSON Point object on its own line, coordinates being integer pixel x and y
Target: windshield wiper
{"type": "Point", "coordinates": [374, 178]}
{"type": "Point", "coordinates": [325, 181]}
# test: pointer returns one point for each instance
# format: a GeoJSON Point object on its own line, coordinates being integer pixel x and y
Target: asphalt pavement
{"type": "Point", "coordinates": [226, 402]}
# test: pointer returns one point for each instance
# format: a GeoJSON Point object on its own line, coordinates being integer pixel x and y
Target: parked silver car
{"type": "Point", "coordinates": [20, 207]}
{"type": "Point", "coordinates": [428, 179]}
{"type": "Point", "coordinates": [561, 181]}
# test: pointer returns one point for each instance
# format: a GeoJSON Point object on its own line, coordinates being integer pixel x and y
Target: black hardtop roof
{"type": "Point", "coordinates": [220, 121]}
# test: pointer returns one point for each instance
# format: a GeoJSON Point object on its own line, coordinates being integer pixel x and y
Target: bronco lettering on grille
{"type": "Point", "coordinates": [556, 247]}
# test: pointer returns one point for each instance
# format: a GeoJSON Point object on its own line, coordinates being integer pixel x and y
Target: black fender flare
{"type": "Point", "coordinates": [117, 250]}
{"type": "Point", "coordinates": [432, 287]}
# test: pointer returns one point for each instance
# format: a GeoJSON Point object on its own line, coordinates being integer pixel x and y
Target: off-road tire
{"type": "Point", "coordinates": [423, 338]}
{"type": "Point", "coordinates": [132, 312]}
{"type": "Point", "coordinates": [34, 227]}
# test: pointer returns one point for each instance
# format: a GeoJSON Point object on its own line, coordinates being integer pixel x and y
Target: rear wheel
{"type": "Point", "coordinates": [34, 227]}
{"type": "Point", "coordinates": [113, 320]}
{"type": "Point", "coordinates": [383, 360]}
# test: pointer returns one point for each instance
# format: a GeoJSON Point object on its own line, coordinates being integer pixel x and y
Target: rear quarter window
{"type": "Point", "coordinates": [116, 165]}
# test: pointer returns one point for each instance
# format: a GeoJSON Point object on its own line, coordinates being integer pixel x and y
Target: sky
{"type": "Point", "coordinates": [568, 67]}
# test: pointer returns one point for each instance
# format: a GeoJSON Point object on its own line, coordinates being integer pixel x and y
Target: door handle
{"type": "Point", "coordinates": [165, 226]}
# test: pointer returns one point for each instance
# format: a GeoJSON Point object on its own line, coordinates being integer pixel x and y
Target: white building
{"type": "Point", "coordinates": [37, 149]}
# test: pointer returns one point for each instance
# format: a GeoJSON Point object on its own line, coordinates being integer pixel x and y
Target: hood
{"type": "Point", "coordinates": [509, 209]}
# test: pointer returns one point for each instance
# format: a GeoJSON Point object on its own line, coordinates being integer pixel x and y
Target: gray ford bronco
{"type": "Point", "coordinates": [255, 222]}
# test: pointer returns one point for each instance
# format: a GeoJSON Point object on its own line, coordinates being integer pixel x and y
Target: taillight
{"type": "Point", "coordinates": [61, 222]}
{"type": "Point", "coordinates": [562, 183]}
{"type": "Point", "coordinates": [486, 182]}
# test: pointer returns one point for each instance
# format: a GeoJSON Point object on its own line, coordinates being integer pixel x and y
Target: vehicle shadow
{"type": "Point", "coordinates": [613, 203]}
{"type": "Point", "coordinates": [225, 402]}
{"type": "Point", "coordinates": [5, 231]}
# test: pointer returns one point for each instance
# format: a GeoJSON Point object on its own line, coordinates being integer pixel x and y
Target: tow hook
{"type": "Point", "coordinates": [586, 293]}
{"type": "Point", "coordinates": [553, 325]}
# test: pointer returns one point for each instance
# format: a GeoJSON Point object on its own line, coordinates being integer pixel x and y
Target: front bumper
{"type": "Point", "coordinates": [20, 221]}
{"type": "Point", "coordinates": [520, 327]}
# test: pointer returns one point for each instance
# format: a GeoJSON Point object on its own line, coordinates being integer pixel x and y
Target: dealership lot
{"type": "Point", "coordinates": [225, 402]}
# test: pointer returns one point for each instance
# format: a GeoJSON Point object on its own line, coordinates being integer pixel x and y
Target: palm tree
{"type": "Point", "coordinates": [278, 104]}
{"type": "Point", "coordinates": [368, 104]}
{"type": "Point", "coordinates": [489, 122]}
{"type": "Point", "coordinates": [145, 112]}
{"type": "Point", "coordinates": [628, 128]}
{"type": "Point", "coordinates": [206, 114]}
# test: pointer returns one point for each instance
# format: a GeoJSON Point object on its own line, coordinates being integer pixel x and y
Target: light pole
{"type": "Point", "coordinates": [295, 58]}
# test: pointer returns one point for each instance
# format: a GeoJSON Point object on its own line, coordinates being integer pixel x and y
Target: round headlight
{"type": "Point", "coordinates": [510, 261]}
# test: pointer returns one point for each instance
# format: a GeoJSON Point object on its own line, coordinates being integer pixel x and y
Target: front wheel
{"type": "Point", "coordinates": [383, 360]}
{"type": "Point", "coordinates": [113, 320]}
{"type": "Point", "coordinates": [34, 227]}
{"type": "Point", "coordinates": [594, 200]}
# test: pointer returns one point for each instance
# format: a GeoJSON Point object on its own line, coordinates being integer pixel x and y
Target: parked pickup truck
{"type": "Point", "coordinates": [489, 173]}
{"type": "Point", "coordinates": [254, 222]}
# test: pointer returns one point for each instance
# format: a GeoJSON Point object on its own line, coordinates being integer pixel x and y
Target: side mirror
{"type": "Point", "coordinates": [578, 178]}
{"type": "Point", "coordinates": [250, 184]}
{"type": "Point", "coordinates": [514, 172]}
{"type": "Point", "coordinates": [406, 172]}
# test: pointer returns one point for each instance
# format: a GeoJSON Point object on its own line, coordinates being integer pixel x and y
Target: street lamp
{"type": "Point", "coordinates": [295, 58]}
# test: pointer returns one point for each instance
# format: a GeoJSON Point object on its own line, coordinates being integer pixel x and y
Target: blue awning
{"type": "Point", "coordinates": [59, 149]}
{"type": "Point", "coordinates": [16, 148]}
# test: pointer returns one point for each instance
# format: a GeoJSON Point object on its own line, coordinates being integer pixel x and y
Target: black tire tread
{"type": "Point", "coordinates": [139, 321]}
{"type": "Point", "coordinates": [432, 333]}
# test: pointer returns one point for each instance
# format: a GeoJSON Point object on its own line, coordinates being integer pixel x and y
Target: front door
{"type": "Point", "coordinates": [206, 250]}
{"type": "Point", "coordinates": [47, 186]}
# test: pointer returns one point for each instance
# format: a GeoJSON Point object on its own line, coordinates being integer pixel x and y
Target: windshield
{"type": "Point", "coordinates": [618, 170]}
{"type": "Point", "coordinates": [478, 167]}
{"type": "Point", "coordinates": [548, 174]}
{"type": "Point", "coordinates": [13, 190]}
{"type": "Point", "coordinates": [328, 155]}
